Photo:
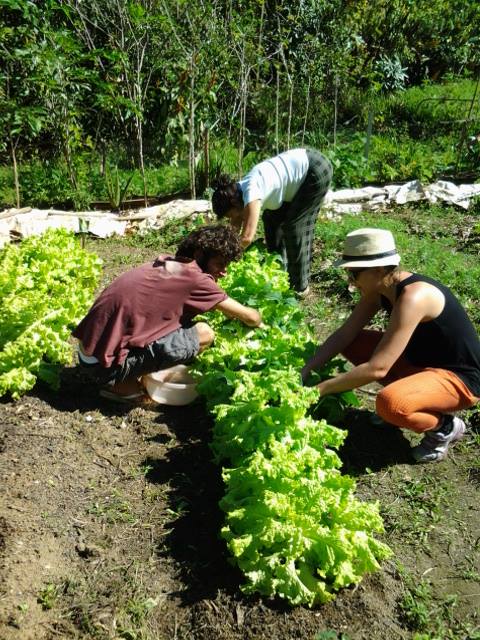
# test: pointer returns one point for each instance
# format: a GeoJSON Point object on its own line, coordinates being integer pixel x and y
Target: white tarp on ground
{"type": "Point", "coordinates": [375, 198]}
{"type": "Point", "coordinates": [21, 223]}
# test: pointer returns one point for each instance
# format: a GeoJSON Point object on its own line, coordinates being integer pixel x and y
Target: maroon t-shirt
{"type": "Point", "coordinates": [145, 304]}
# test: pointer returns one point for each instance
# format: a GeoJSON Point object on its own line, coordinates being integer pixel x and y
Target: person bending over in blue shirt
{"type": "Point", "coordinates": [286, 191]}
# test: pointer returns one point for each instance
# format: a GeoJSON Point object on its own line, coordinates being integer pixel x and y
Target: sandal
{"type": "Point", "coordinates": [124, 392]}
{"type": "Point", "coordinates": [122, 398]}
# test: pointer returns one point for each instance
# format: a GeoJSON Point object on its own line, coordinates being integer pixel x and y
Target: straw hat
{"type": "Point", "coordinates": [369, 248]}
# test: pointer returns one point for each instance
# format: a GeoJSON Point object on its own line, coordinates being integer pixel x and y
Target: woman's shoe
{"type": "Point", "coordinates": [434, 446]}
{"type": "Point", "coordinates": [303, 294]}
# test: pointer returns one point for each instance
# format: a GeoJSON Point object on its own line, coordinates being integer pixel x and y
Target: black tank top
{"type": "Point", "coordinates": [446, 342]}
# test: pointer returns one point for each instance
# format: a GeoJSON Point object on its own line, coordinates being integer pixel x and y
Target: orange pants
{"type": "Point", "coordinates": [413, 397]}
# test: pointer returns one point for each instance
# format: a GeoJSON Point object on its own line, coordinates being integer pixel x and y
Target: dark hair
{"type": "Point", "coordinates": [212, 240]}
{"type": "Point", "coordinates": [226, 195]}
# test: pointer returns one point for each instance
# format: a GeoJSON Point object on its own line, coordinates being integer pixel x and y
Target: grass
{"type": "Point", "coordinates": [418, 505]}
{"type": "Point", "coordinates": [430, 616]}
{"type": "Point", "coordinates": [48, 596]}
{"type": "Point", "coordinates": [113, 509]}
{"type": "Point", "coordinates": [108, 603]}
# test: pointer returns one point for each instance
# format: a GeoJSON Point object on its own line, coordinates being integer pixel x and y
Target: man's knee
{"type": "Point", "coordinates": [206, 335]}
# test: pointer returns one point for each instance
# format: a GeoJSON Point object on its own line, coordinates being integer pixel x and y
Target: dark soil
{"type": "Point", "coordinates": [109, 528]}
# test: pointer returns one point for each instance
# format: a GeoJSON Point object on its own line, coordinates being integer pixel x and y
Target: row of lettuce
{"type": "Point", "coordinates": [292, 522]}
{"type": "Point", "coordinates": [46, 284]}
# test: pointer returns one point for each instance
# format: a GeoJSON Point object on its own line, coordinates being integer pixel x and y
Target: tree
{"type": "Point", "coordinates": [21, 117]}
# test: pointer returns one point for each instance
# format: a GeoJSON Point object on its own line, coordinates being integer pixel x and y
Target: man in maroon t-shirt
{"type": "Point", "coordinates": [142, 321]}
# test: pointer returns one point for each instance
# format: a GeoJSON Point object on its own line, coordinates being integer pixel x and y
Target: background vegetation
{"type": "Point", "coordinates": [102, 99]}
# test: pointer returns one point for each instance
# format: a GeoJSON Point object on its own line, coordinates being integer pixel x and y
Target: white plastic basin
{"type": "Point", "coordinates": [174, 386]}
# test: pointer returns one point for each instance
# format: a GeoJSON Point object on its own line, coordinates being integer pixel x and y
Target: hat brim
{"type": "Point", "coordinates": [364, 262]}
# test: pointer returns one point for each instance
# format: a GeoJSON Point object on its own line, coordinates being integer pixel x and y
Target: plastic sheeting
{"type": "Point", "coordinates": [21, 223]}
{"type": "Point", "coordinates": [375, 198]}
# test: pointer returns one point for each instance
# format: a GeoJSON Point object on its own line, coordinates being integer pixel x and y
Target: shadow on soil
{"type": "Point", "coordinates": [195, 489]}
{"type": "Point", "coordinates": [371, 444]}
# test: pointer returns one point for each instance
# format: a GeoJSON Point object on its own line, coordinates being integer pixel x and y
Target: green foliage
{"type": "Point", "coordinates": [169, 237]}
{"type": "Point", "coordinates": [117, 191]}
{"type": "Point", "coordinates": [395, 158]}
{"type": "Point", "coordinates": [350, 167]}
{"type": "Point", "coordinates": [48, 596]}
{"type": "Point", "coordinates": [431, 616]}
{"type": "Point", "coordinates": [147, 83]}
{"type": "Point", "coordinates": [331, 635]}
{"type": "Point", "coordinates": [45, 184]}
{"type": "Point", "coordinates": [422, 108]}
{"type": "Point", "coordinates": [46, 286]}
{"type": "Point", "coordinates": [293, 524]}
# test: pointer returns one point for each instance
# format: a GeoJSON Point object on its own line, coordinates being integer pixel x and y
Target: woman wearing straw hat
{"type": "Point", "coordinates": [428, 358]}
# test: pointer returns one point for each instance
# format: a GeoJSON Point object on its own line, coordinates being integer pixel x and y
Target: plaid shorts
{"type": "Point", "coordinates": [289, 230]}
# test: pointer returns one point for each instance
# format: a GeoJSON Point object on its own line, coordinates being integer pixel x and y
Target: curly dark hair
{"type": "Point", "coordinates": [226, 195]}
{"type": "Point", "coordinates": [212, 240]}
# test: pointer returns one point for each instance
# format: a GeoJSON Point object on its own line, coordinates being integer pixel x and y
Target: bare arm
{"type": "Point", "coordinates": [410, 309]}
{"type": "Point", "coordinates": [251, 216]}
{"type": "Point", "coordinates": [233, 309]}
{"type": "Point", "coordinates": [342, 337]}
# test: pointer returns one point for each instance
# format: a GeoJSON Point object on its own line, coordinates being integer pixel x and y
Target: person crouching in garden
{"type": "Point", "coordinates": [289, 189]}
{"type": "Point", "coordinates": [142, 322]}
{"type": "Point", "coordinates": [428, 358]}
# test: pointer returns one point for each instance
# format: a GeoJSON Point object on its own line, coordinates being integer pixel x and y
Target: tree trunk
{"type": "Point", "coordinates": [206, 156]}
{"type": "Point", "coordinates": [191, 130]}
{"type": "Point", "coordinates": [307, 105]}
{"type": "Point", "coordinates": [67, 152]}
{"type": "Point", "coordinates": [290, 108]}
{"type": "Point", "coordinates": [369, 132]}
{"type": "Point", "coordinates": [15, 172]}
{"type": "Point", "coordinates": [277, 111]}
{"type": "Point", "coordinates": [335, 112]}
{"type": "Point", "coordinates": [260, 43]}
{"type": "Point", "coordinates": [141, 163]}
{"type": "Point", "coordinates": [243, 120]}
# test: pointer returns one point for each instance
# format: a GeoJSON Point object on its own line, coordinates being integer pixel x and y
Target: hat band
{"type": "Point", "coordinates": [371, 256]}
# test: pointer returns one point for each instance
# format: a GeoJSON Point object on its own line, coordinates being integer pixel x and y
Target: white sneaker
{"type": "Point", "coordinates": [303, 294]}
{"type": "Point", "coordinates": [434, 446]}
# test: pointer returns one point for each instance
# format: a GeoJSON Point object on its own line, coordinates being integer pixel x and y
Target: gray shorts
{"type": "Point", "coordinates": [177, 347]}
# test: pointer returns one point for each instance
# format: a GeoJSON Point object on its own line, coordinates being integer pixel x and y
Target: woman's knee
{"type": "Point", "coordinates": [206, 335]}
{"type": "Point", "coordinates": [389, 404]}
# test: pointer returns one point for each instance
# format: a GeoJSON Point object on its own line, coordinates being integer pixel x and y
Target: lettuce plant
{"type": "Point", "coordinates": [46, 285]}
{"type": "Point", "coordinates": [292, 522]}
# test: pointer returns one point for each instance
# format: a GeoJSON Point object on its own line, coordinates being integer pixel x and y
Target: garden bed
{"type": "Point", "coordinates": [109, 527]}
